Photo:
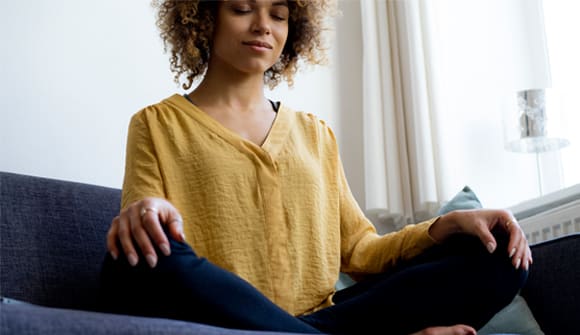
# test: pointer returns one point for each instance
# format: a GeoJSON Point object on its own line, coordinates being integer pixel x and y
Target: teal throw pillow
{"type": "Point", "coordinates": [515, 318]}
{"type": "Point", "coordinates": [464, 199]}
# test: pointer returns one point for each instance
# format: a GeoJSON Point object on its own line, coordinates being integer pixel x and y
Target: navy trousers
{"type": "Point", "coordinates": [456, 282]}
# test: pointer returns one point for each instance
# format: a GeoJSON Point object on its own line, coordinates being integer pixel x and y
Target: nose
{"type": "Point", "coordinates": [261, 23]}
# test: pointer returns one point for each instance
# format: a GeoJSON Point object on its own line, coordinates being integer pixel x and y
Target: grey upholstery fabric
{"type": "Point", "coordinates": [553, 287]}
{"type": "Point", "coordinates": [52, 242]}
{"type": "Point", "coordinates": [53, 239]}
{"type": "Point", "coordinates": [33, 320]}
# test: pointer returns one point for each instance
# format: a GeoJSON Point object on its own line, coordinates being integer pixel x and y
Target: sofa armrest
{"type": "Point", "coordinates": [553, 287]}
{"type": "Point", "coordinates": [29, 319]}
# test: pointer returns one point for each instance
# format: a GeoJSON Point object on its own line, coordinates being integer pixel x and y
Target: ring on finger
{"type": "Point", "coordinates": [508, 224]}
{"type": "Point", "coordinates": [176, 220]}
{"type": "Point", "coordinates": [144, 210]}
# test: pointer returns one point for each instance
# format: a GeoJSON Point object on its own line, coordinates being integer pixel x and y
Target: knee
{"type": "Point", "coordinates": [500, 278]}
{"type": "Point", "coordinates": [493, 273]}
{"type": "Point", "coordinates": [119, 270]}
{"type": "Point", "coordinates": [125, 288]}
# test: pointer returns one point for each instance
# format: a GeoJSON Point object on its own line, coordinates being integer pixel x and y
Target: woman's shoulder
{"type": "Point", "coordinates": [310, 120]}
{"type": "Point", "coordinates": [170, 105]}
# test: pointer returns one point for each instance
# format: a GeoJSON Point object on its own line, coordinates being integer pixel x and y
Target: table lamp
{"type": "Point", "coordinates": [533, 128]}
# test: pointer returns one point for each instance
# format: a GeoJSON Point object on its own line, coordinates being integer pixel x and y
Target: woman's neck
{"type": "Point", "coordinates": [230, 90]}
{"type": "Point", "coordinates": [236, 101]}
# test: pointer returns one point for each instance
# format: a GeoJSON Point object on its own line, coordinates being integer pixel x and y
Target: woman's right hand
{"type": "Point", "coordinates": [141, 222]}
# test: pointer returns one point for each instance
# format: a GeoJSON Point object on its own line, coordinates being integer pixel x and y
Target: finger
{"type": "Point", "coordinates": [526, 252]}
{"type": "Point", "coordinates": [140, 234]}
{"type": "Point", "coordinates": [175, 226]}
{"type": "Point", "coordinates": [152, 225]}
{"type": "Point", "coordinates": [523, 255]}
{"type": "Point", "coordinates": [170, 216]}
{"type": "Point", "coordinates": [112, 238]}
{"type": "Point", "coordinates": [487, 238]}
{"type": "Point", "coordinates": [517, 245]}
{"type": "Point", "coordinates": [124, 232]}
{"type": "Point", "coordinates": [527, 258]}
{"type": "Point", "coordinates": [513, 229]}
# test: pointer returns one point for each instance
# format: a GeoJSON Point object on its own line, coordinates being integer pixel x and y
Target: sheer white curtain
{"type": "Point", "coordinates": [402, 178]}
{"type": "Point", "coordinates": [435, 79]}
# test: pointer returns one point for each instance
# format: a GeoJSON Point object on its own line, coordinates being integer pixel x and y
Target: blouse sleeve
{"type": "Point", "coordinates": [142, 173]}
{"type": "Point", "coordinates": [363, 251]}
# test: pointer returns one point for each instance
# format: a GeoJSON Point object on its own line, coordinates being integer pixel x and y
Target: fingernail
{"type": "Point", "coordinates": [132, 259]}
{"type": "Point", "coordinates": [518, 262]}
{"type": "Point", "coordinates": [114, 255]}
{"type": "Point", "coordinates": [490, 247]}
{"type": "Point", "coordinates": [512, 252]}
{"type": "Point", "coordinates": [526, 266]}
{"type": "Point", "coordinates": [165, 249]}
{"type": "Point", "coordinates": [151, 260]}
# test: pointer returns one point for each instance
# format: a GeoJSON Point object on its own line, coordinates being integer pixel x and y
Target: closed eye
{"type": "Point", "coordinates": [280, 13]}
{"type": "Point", "coordinates": [241, 11]}
{"type": "Point", "coordinates": [241, 8]}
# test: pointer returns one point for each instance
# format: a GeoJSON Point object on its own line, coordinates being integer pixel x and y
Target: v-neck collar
{"type": "Point", "coordinates": [271, 145]}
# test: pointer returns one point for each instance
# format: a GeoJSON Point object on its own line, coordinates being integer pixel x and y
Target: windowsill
{"type": "Point", "coordinates": [546, 202]}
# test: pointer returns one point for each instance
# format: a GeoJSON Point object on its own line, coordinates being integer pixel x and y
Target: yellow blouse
{"type": "Point", "coordinates": [280, 215]}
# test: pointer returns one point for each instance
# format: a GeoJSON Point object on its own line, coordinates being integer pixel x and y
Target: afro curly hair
{"type": "Point", "coordinates": [186, 28]}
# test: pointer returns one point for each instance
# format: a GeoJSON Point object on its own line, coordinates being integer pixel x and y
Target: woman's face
{"type": "Point", "coordinates": [250, 34]}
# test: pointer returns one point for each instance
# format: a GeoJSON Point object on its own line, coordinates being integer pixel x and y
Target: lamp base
{"type": "Point", "coordinates": [536, 144]}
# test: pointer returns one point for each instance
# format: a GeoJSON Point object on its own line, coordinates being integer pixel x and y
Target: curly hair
{"type": "Point", "coordinates": [186, 28]}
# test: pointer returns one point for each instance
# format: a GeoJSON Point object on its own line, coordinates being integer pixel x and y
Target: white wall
{"type": "Point", "coordinates": [73, 72]}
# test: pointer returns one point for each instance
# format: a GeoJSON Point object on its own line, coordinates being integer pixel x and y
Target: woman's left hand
{"type": "Point", "coordinates": [480, 222]}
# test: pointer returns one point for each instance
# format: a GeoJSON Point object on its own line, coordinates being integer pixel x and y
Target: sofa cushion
{"type": "Point", "coordinates": [464, 199]}
{"type": "Point", "coordinates": [515, 318]}
{"type": "Point", "coordinates": [553, 284]}
{"type": "Point", "coordinates": [53, 239]}
{"type": "Point", "coordinates": [25, 319]}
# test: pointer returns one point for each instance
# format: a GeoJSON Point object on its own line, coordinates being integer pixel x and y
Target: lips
{"type": "Point", "coordinates": [258, 44]}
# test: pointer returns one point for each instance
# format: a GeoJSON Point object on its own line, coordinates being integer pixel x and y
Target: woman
{"type": "Point", "coordinates": [260, 193]}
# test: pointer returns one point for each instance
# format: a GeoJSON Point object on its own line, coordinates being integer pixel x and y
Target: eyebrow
{"type": "Point", "coordinates": [277, 3]}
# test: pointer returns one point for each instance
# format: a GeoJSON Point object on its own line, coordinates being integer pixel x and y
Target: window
{"type": "Point", "coordinates": [562, 28]}
{"type": "Point", "coordinates": [481, 52]}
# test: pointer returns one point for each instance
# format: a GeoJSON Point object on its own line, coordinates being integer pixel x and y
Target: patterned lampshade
{"type": "Point", "coordinates": [534, 128]}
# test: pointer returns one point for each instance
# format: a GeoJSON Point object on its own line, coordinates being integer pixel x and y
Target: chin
{"type": "Point", "coordinates": [255, 69]}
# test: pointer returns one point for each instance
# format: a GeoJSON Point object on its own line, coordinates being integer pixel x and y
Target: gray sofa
{"type": "Point", "coordinates": [52, 242]}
